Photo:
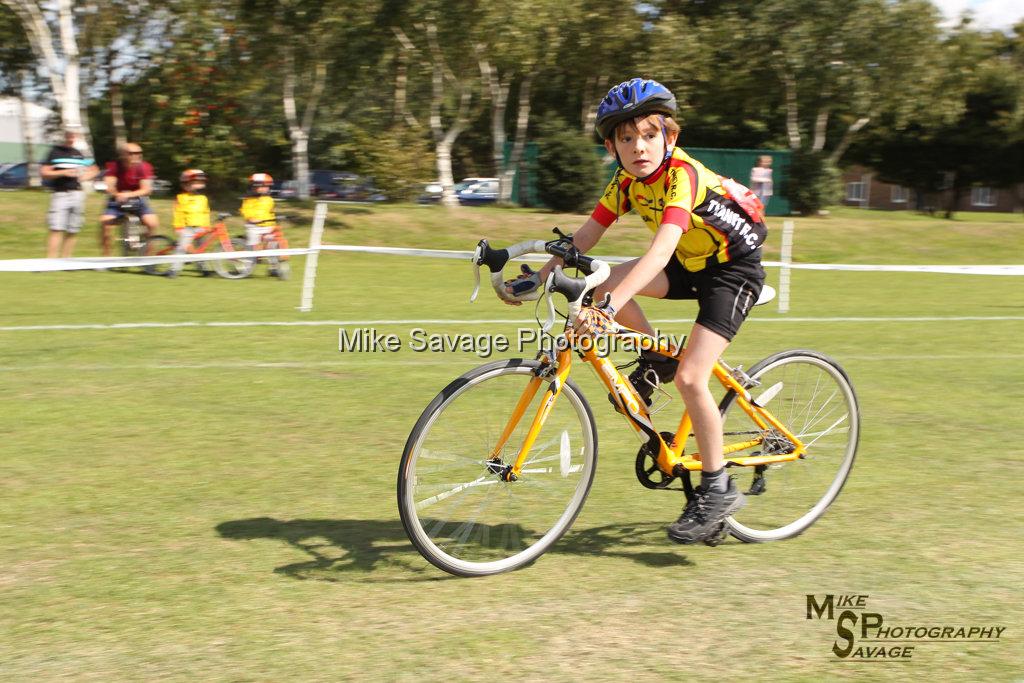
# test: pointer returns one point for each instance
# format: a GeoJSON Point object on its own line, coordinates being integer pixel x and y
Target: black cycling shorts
{"type": "Point", "coordinates": [724, 292]}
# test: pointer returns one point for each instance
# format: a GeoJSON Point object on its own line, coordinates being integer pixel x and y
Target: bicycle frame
{"type": "Point", "coordinates": [205, 237]}
{"type": "Point", "coordinates": [672, 459]}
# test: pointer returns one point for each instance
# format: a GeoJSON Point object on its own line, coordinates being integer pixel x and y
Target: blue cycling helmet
{"type": "Point", "coordinates": [632, 98]}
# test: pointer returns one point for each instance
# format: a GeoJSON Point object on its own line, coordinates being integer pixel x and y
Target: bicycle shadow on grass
{"type": "Point", "coordinates": [347, 549]}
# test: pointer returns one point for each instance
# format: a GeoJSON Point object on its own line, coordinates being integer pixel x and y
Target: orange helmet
{"type": "Point", "coordinates": [190, 174]}
{"type": "Point", "coordinates": [261, 179]}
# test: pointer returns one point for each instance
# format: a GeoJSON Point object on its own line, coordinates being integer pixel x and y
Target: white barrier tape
{"type": "Point", "coordinates": [87, 262]}
{"type": "Point", "coordinates": [36, 265]}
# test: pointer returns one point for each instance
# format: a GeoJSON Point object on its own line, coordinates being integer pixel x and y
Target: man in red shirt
{"type": "Point", "coordinates": [129, 182]}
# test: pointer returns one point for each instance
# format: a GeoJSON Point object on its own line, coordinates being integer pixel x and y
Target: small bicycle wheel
{"type": "Point", "coordinates": [456, 507]}
{"type": "Point", "coordinates": [158, 245]}
{"type": "Point", "coordinates": [233, 269]}
{"type": "Point", "coordinates": [812, 396]}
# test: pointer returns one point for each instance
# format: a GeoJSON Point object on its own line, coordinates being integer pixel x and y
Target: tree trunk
{"type": "Point", "coordinates": [402, 113]}
{"type": "Point", "coordinates": [298, 132]}
{"type": "Point", "coordinates": [792, 113]}
{"type": "Point", "coordinates": [498, 91]}
{"type": "Point", "coordinates": [820, 130]}
{"type": "Point", "coordinates": [27, 134]}
{"type": "Point", "coordinates": [445, 140]}
{"type": "Point", "coordinates": [71, 108]}
{"type": "Point", "coordinates": [117, 116]}
{"type": "Point", "coordinates": [62, 70]}
{"type": "Point", "coordinates": [519, 144]}
{"type": "Point", "coordinates": [847, 138]}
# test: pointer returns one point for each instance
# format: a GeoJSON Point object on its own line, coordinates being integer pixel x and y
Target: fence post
{"type": "Point", "coordinates": [316, 234]}
{"type": "Point", "coordinates": [786, 258]}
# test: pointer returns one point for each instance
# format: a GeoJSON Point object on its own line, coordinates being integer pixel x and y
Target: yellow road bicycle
{"type": "Point", "coordinates": [499, 464]}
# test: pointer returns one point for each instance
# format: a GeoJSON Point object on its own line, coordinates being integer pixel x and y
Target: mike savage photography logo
{"type": "Point", "coordinates": [526, 339]}
{"type": "Point", "coordinates": [863, 636]}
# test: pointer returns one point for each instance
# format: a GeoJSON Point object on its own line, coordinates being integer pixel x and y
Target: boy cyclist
{"type": "Point", "coordinates": [706, 247]}
{"type": "Point", "coordinates": [191, 214]}
{"type": "Point", "coordinates": [258, 212]}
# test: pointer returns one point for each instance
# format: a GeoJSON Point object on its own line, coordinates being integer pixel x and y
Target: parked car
{"type": "Point", "coordinates": [343, 186]}
{"type": "Point", "coordinates": [14, 175]}
{"type": "Point", "coordinates": [483, 192]}
{"type": "Point", "coordinates": [284, 189]}
{"type": "Point", "coordinates": [432, 191]}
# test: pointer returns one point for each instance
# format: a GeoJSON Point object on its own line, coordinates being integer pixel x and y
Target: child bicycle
{"type": "Point", "coordinates": [211, 239]}
{"type": "Point", "coordinates": [279, 266]}
{"type": "Point", "coordinates": [481, 490]}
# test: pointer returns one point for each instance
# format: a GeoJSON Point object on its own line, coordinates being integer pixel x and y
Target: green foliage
{"type": "Point", "coordinates": [813, 182]}
{"type": "Point", "coordinates": [569, 172]}
{"type": "Point", "coordinates": [400, 159]}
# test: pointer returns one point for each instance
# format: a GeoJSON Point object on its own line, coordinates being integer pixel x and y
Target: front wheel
{"type": "Point", "coordinates": [811, 395]}
{"type": "Point", "coordinates": [158, 245]}
{"type": "Point", "coordinates": [457, 508]}
{"type": "Point", "coordinates": [233, 269]}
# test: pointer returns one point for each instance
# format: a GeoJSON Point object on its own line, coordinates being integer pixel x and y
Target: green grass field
{"type": "Point", "coordinates": [218, 502]}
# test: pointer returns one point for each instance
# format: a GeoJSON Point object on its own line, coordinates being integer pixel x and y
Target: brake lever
{"type": "Point", "coordinates": [550, 322]}
{"type": "Point", "coordinates": [476, 274]}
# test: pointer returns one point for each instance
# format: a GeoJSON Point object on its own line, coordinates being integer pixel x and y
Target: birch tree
{"type": "Point", "coordinates": [517, 41]}
{"type": "Point", "coordinates": [51, 34]}
{"type": "Point", "coordinates": [451, 89]}
{"type": "Point", "coordinates": [304, 39]}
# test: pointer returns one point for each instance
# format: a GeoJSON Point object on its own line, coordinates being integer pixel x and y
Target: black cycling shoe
{"type": "Point", "coordinates": [704, 514]}
{"type": "Point", "coordinates": [653, 369]}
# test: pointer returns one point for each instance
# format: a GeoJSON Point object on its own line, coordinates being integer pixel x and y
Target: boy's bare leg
{"type": "Point", "coordinates": [703, 348]}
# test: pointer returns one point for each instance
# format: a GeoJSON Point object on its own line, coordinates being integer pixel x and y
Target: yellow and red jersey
{"type": "Point", "coordinates": [258, 209]}
{"type": "Point", "coordinates": [191, 211]}
{"type": "Point", "coordinates": [684, 192]}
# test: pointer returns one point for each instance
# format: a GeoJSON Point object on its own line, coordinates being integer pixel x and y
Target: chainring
{"type": "Point", "coordinates": [647, 471]}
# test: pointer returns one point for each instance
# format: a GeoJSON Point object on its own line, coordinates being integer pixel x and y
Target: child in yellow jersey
{"type": "Point", "coordinates": [708, 233]}
{"type": "Point", "coordinates": [260, 219]}
{"type": "Point", "coordinates": [191, 214]}
{"type": "Point", "coordinates": [258, 209]}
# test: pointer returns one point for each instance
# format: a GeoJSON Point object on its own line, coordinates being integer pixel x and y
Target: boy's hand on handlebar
{"type": "Point", "coordinates": [596, 320]}
{"type": "Point", "coordinates": [524, 287]}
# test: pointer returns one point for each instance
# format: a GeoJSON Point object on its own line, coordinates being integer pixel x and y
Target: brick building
{"type": "Point", "coordinates": [862, 188]}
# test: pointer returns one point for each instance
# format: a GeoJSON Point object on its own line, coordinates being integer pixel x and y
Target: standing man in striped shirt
{"type": "Point", "coordinates": [67, 167]}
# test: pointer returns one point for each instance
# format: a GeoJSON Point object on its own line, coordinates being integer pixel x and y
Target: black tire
{"type": "Point", "coordinates": [451, 442]}
{"type": "Point", "coordinates": [791, 496]}
{"type": "Point", "coordinates": [158, 245]}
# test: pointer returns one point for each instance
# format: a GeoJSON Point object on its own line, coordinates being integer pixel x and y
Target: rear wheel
{"type": "Point", "coordinates": [812, 396]}
{"type": "Point", "coordinates": [233, 269]}
{"type": "Point", "coordinates": [456, 505]}
{"type": "Point", "coordinates": [132, 236]}
{"type": "Point", "coordinates": [158, 245]}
